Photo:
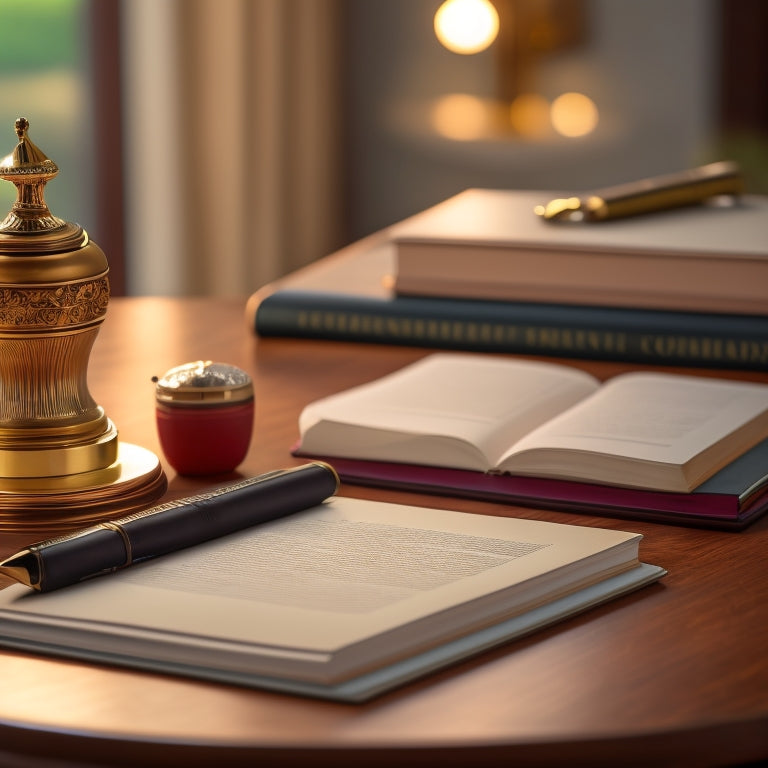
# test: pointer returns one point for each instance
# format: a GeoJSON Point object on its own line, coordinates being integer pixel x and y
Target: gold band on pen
{"type": "Point", "coordinates": [332, 470]}
{"type": "Point", "coordinates": [112, 526]}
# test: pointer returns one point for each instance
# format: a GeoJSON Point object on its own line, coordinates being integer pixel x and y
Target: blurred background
{"type": "Point", "coordinates": [210, 146]}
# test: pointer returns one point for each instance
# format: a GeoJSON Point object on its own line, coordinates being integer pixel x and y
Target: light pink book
{"type": "Point", "coordinates": [489, 244]}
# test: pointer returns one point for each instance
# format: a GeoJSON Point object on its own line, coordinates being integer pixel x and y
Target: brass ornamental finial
{"type": "Point", "coordinates": [28, 168]}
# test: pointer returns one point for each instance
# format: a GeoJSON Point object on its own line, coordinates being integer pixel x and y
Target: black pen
{"type": "Point", "coordinates": [171, 526]}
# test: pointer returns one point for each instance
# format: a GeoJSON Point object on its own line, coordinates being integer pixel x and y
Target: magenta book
{"type": "Point", "coordinates": [729, 500]}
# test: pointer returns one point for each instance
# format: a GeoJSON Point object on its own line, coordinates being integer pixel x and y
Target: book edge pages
{"type": "Point", "coordinates": [375, 683]}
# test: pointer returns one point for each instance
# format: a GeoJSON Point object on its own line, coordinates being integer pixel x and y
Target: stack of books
{"type": "Point", "coordinates": [482, 272]}
{"type": "Point", "coordinates": [648, 445]}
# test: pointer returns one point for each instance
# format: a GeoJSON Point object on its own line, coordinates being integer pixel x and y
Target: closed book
{"type": "Point", "coordinates": [489, 244]}
{"type": "Point", "coordinates": [348, 297]}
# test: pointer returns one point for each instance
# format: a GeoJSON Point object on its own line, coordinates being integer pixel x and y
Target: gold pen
{"type": "Point", "coordinates": [657, 193]}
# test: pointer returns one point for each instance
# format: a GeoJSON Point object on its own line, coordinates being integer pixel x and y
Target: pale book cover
{"type": "Point", "coordinates": [463, 411]}
{"type": "Point", "coordinates": [343, 600]}
{"type": "Point", "coordinates": [489, 244]}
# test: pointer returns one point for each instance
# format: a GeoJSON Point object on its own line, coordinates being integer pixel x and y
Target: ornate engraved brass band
{"type": "Point", "coordinates": [45, 307]}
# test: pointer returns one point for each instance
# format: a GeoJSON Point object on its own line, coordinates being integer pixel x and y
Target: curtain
{"type": "Point", "coordinates": [232, 141]}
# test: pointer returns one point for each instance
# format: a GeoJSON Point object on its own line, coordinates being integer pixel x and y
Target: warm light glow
{"type": "Point", "coordinates": [466, 26]}
{"type": "Point", "coordinates": [574, 114]}
{"type": "Point", "coordinates": [461, 117]}
{"type": "Point", "coordinates": [529, 115]}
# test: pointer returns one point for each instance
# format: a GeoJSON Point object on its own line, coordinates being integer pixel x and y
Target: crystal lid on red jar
{"type": "Point", "coordinates": [203, 383]}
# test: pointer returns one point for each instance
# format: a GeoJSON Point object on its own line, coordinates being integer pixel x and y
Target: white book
{"type": "Point", "coordinates": [342, 601]}
{"type": "Point", "coordinates": [647, 430]}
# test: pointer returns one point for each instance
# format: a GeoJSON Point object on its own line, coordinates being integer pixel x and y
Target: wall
{"type": "Point", "coordinates": [650, 66]}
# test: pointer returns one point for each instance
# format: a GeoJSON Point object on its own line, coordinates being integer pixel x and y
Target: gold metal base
{"type": "Point", "coordinates": [53, 505]}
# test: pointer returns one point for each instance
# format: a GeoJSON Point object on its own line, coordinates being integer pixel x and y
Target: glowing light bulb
{"type": "Point", "coordinates": [466, 26]}
{"type": "Point", "coordinates": [574, 114]}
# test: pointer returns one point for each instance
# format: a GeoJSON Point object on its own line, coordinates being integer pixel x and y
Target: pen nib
{"type": "Point", "coordinates": [22, 567]}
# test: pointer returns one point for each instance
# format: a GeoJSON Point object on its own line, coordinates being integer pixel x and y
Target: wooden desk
{"type": "Point", "coordinates": [676, 673]}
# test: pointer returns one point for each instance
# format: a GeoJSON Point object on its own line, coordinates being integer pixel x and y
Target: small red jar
{"type": "Point", "coordinates": [204, 414]}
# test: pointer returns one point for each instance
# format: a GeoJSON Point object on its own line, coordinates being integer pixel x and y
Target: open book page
{"type": "Point", "coordinates": [453, 410]}
{"type": "Point", "coordinates": [641, 428]}
{"type": "Point", "coordinates": [325, 593]}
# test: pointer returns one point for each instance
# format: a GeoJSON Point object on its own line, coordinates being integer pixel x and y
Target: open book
{"type": "Point", "coordinates": [344, 601]}
{"type": "Point", "coordinates": [653, 431]}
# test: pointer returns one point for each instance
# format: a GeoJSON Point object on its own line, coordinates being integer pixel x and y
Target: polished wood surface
{"type": "Point", "coordinates": [674, 674]}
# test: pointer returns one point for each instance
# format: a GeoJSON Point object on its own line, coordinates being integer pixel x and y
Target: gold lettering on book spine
{"type": "Point", "coordinates": [538, 339]}
{"type": "Point", "coordinates": [706, 349]}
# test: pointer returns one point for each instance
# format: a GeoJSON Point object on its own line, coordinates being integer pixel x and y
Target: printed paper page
{"type": "Point", "coordinates": [337, 574]}
{"type": "Point", "coordinates": [654, 418]}
{"type": "Point", "coordinates": [468, 408]}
